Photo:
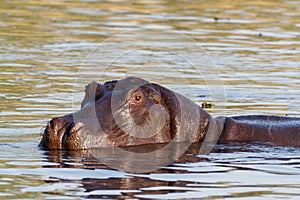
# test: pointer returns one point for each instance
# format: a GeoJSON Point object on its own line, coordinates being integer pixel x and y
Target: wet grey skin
{"type": "Point", "coordinates": [133, 111]}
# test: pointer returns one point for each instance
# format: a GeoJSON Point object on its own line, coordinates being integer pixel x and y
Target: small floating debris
{"type": "Point", "coordinates": [217, 19]}
{"type": "Point", "coordinates": [206, 104]}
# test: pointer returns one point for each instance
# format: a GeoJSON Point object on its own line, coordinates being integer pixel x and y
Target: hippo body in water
{"type": "Point", "coordinates": [132, 112]}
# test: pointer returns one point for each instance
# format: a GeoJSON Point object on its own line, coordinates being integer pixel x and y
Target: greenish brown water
{"type": "Point", "coordinates": [242, 56]}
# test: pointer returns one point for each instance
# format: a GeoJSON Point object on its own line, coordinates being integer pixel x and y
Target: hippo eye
{"type": "Point", "coordinates": [138, 97]}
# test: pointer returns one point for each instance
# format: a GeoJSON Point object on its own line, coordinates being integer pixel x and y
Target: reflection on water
{"type": "Point", "coordinates": [51, 49]}
{"type": "Point", "coordinates": [234, 170]}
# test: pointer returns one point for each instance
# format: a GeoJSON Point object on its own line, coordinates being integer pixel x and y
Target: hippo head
{"type": "Point", "coordinates": [127, 112]}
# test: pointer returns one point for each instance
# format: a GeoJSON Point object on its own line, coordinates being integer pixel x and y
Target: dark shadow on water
{"type": "Point", "coordinates": [85, 159]}
{"type": "Point", "coordinates": [107, 157]}
{"type": "Point", "coordinates": [234, 156]}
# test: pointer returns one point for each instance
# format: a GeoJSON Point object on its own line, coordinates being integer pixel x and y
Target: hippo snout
{"type": "Point", "coordinates": [58, 131]}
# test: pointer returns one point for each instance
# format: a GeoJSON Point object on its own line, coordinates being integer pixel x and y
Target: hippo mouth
{"type": "Point", "coordinates": [61, 134]}
{"type": "Point", "coordinates": [71, 134]}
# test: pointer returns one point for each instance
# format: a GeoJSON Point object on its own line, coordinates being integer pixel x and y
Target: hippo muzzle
{"type": "Point", "coordinates": [58, 133]}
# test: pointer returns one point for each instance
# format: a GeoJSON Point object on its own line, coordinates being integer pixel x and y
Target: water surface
{"type": "Point", "coordinates": [243, 57]}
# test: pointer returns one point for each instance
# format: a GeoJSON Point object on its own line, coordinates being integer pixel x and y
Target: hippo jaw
{"type": "Point", "coordinates": [62, 134]}
{"type": "Point", "coordinates": [116, 113]}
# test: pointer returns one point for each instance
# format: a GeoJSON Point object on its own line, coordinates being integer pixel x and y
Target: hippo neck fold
{"type": "Point", "coordinates": [188, 122]}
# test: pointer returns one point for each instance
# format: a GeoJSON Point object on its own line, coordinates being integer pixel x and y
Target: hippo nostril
{"type": "Point", "coordinates": [76, 127]}
{"type": "Point", "coordinates": [54, 125]}
{"type": "Point", "coordinates": [58, 123]}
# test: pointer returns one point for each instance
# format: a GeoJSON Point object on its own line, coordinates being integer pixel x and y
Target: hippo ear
{"type": "Point", "coordinates": [110, 85]}
{"type": "Point", "coordinates": [93, 92]}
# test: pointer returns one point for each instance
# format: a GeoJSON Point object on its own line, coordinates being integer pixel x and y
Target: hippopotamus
{"type": "Point", "coordinates": [133, 111]}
